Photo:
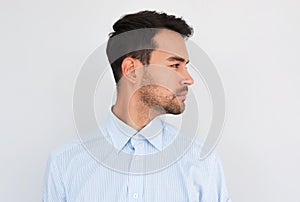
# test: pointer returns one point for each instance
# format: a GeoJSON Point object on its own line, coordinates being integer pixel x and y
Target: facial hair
{"type": "Point", "coordinates": [160, 98]}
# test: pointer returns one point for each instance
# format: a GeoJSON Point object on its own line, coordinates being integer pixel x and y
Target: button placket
{"type": "Point", "coordinates": [136, 182]}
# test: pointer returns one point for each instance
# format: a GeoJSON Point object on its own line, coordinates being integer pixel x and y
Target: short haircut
{"type": "Point", "coordinates": [132, 48]}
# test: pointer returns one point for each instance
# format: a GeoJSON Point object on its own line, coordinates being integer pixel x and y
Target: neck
{"type": "Point", "coordinates": [134, 112]}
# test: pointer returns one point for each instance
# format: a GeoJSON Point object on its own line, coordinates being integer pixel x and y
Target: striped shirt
{"type": "Point", "coordinates": [73, 175]}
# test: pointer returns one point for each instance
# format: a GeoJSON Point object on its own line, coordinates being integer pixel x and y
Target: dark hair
{"type": "Point", "coordinates": [134, 43]}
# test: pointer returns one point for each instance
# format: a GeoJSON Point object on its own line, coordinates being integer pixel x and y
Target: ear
{"type": "Point", "coordinates": [129, 69]}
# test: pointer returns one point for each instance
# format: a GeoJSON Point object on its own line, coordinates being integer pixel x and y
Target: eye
{"type": "Point", "coordinates": [175, 65]}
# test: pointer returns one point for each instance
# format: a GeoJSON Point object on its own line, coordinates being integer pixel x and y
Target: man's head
{"type": "Point", "coordinates": [147, 49]}
{"type": "Point", "coordinates": [141, 20]}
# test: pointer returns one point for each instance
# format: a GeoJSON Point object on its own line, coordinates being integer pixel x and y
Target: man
{"type": "Point", "coordinates": [148, 57]}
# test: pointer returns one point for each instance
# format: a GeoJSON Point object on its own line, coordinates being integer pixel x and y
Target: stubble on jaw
{"type": "Point", "coordinates": [159, 99]}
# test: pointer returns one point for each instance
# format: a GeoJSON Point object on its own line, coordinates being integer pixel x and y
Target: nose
{"type": "Point", "coordinates": [187, 79]}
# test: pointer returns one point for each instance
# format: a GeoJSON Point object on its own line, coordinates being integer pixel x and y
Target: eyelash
{"type": "Point", "coordinates": [175, 65]}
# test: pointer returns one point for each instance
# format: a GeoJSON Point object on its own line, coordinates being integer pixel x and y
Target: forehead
{"type": "Point", "coordinates": [170, 42]}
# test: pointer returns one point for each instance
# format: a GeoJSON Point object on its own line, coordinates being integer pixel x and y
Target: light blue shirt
{"type": "Point", "coordinates": [73, 175]}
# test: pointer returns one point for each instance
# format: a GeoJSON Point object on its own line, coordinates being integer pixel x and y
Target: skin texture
{"type": "Point", "coordinates": [159, 88]}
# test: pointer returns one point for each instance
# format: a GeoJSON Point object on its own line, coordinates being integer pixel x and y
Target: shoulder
{"type": "Point", "coordinates": [66, 149]}
{"type": "Point", "coordinates": [70, 154]}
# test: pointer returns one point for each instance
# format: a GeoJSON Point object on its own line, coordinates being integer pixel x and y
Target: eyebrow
{"type": "Point", "coordinates": [176, 58]}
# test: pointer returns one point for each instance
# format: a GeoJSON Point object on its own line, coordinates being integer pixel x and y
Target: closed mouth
{"type": "Point", "coordinates": [182, 95]}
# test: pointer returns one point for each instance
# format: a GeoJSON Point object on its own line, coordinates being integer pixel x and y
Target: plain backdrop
{"type": "Point", "coordinates": [254, 44]}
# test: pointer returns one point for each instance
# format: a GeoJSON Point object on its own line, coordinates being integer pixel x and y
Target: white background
{"type": "Point", "coordinates": [253, 43]}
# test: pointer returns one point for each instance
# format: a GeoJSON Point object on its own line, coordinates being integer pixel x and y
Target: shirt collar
{"type": "Point", "coordinates": [121, 133]}
{"type": "Point", "coordinates": [153, 132]}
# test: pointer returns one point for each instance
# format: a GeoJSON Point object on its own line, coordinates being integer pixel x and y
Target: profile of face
{"type": "Point", "coordinates": [165, 81]}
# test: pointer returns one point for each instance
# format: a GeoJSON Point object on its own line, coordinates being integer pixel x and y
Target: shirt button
{"type": "Point", "coordinates": [135, 195]}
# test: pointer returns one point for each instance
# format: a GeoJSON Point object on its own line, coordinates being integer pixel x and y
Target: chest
{"type": "Point", "coordinates": [102, 184]}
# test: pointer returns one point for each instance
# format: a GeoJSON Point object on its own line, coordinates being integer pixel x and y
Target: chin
{"type": "Point", "coordinates": [175, 110]}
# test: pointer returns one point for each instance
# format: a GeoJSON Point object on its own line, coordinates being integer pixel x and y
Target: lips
{"type": "Point", "coordinates": [182, 95]}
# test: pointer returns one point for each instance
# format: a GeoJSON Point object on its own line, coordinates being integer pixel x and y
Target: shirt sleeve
{"type": "Point", "coordinates": [217, 181]}
{"type": "Point", "coordinates": [54, 190]}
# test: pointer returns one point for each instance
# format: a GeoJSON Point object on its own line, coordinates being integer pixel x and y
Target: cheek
{"type": "Point", "coordinates": [158, 92]}
{"type": "Point", "coordinates": [168, 85]}
{"type": "Point", "coordinates": [164, 92]}
{"type": "Point", "coordinates": [165, 78]}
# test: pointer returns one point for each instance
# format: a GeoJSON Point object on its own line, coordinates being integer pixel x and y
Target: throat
{"type": "Point", "coordinates": [141, 115]}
